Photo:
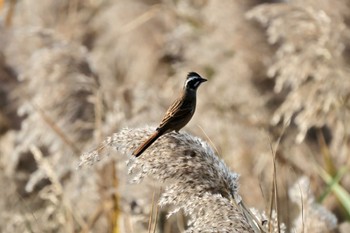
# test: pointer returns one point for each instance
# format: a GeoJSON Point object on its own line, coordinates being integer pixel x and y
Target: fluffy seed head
{"type": "Point", "coordinates": [195, 179]}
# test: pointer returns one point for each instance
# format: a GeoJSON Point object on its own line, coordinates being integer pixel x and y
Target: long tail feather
{"type": "Point", "coordinates": [146, 144]}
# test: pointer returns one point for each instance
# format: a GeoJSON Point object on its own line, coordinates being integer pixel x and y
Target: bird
{"type": "Point", "coordinates": [178, 114]}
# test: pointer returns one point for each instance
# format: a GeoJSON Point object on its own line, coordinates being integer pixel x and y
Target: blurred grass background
{"type": "Point", "coordinates": [74, 71]}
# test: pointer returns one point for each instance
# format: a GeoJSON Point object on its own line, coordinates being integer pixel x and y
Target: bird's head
{"type": "Point", "coordinates": [193, 81]}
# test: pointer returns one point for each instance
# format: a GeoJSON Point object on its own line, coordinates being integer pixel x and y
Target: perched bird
{"type": "Point", "coordinates": [179, 113]}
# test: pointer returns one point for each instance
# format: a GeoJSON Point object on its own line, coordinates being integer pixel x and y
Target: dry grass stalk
{"type": "Point", "coordinates": [313, 217]}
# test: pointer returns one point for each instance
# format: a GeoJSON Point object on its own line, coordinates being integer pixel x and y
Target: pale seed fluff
{"type": "Point", "coordinates": [195, 180]}
{"type": "Point", "coordinates": [313, 216]}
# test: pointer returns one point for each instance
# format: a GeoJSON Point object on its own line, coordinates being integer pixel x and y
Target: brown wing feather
{"type": "Point", "coordinates": [178, 115]}
{"type": "Point", "coordinates": [171, 112]}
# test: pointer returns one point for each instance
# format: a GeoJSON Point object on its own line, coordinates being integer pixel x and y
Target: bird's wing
{"type": "Point", "coordinates": [177, 112]}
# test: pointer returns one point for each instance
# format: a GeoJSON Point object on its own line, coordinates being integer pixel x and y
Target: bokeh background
{"type": "Point", "coordinates": [75, 71]}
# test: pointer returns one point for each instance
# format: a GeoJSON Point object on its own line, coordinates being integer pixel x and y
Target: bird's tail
{"type": "Point", "coordinates": [146, 144]}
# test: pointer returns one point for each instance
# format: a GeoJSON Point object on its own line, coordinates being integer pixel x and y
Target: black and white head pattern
{"type": "Point", "coordinates": [193, 81]}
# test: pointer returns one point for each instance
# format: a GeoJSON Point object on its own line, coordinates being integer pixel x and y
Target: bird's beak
{"type": "Point", "coordinates": [204, 80]}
